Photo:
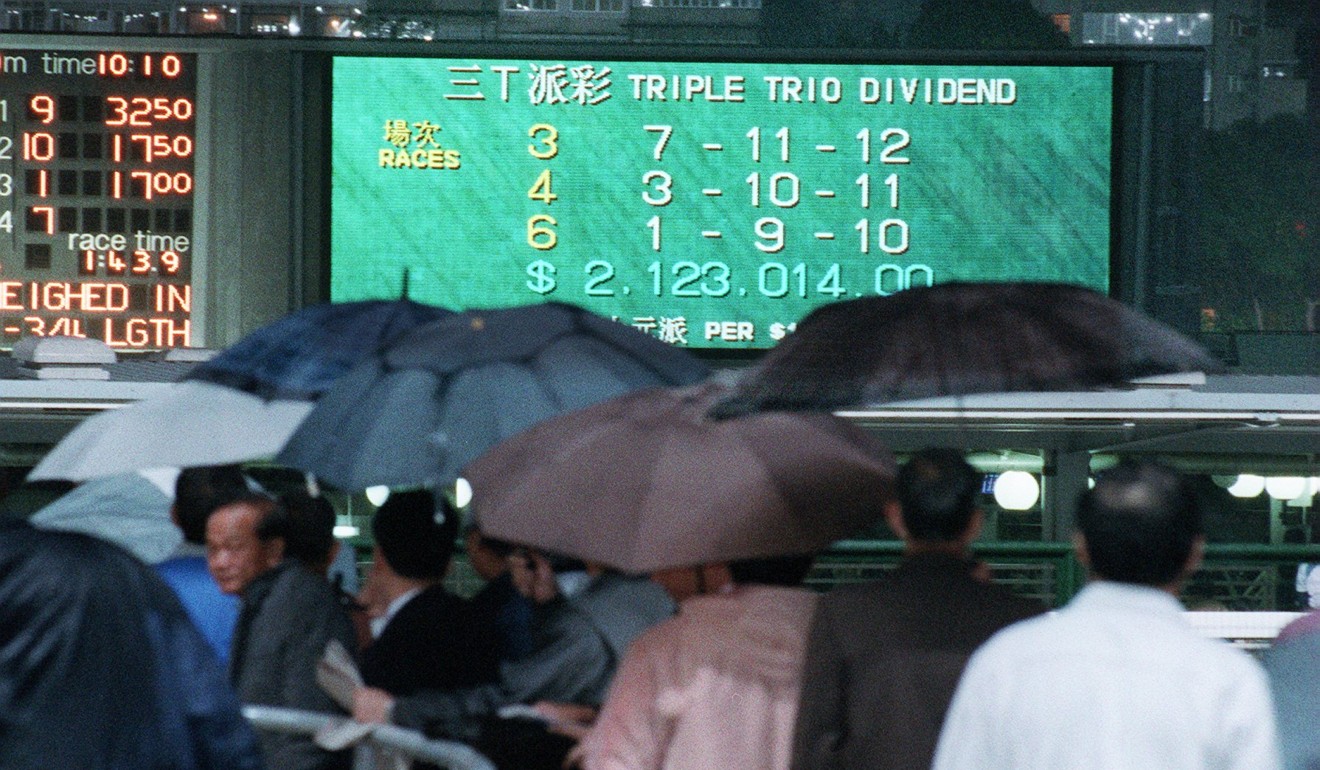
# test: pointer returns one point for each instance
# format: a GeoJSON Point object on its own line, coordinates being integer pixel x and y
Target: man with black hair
{"type": "Point", "coordinates": [498, 603]}
{"type": "Point", "coordinates": [884, 657]}
{"type": "Point", "coordinates": [584, 619]}
{"type": "Point", "coordinates": [197, 492]}
{"type": "Point", "coordinates": [424, 636]}
{"type": "Point", "coordinates": [1117, 678]}
{"type": "Point", "coordinates": [288, 615]}
{"type": "Point", "coordinates": [311, 541]}
{"type": "Point", "coordinates": [311, 537]}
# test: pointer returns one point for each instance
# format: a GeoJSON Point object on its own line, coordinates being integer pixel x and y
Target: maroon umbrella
{"type": "Point", "coordinates": [646, 481]}
{"type": "Point", "coordinates": [958, 338]}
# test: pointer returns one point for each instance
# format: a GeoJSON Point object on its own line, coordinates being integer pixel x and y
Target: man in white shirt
{"type": "Point", "coordinates": [1117, 678]}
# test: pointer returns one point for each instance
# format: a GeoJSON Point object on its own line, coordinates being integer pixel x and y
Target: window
{"type": "Point", "coordinates": [598, 6]}
{"type": "Point", "coordinates": [1189, 29]}
{"type": "Point", "coordinates": [531, 5]}
{"type": "Point", "coordinates": [1240, 28]}
{"type": "Point", "coordinates": [700, 3]}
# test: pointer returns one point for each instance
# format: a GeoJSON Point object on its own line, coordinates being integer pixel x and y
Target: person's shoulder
{"type": "Point", "coordinates": [1023, 637]}
{"type": "Point", "coordinates": [660, 640]}
{"type": "Point", "coordinates": [879, 588]}
{"type": "Point", "coordinates": [183, 568]}
{"type": "Point", "coordinates": [297, 586]}
{"type": "Point", "coordinates": [1000, 599]}
{"type": "Point", "coordinates": [611, 592]}
{"type": "Point", "coordinates": [437, 596]}
{"type": "Point", "coordinates": [1222, 656]}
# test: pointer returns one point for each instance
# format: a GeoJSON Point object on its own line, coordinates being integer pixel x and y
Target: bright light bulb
{"type": "Point", "coordinates": [1285, 487]}
{"type": "Point", "coordinates": [1016, 490]}
{"type": "Point", "coordinates": [462, 492]}
{"type": "Point", "coordinates": [1247, 485]}
{"type": "Point", "coordinates": [377, 495]}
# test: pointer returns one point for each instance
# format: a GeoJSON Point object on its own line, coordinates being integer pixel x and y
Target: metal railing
{"type": "Point", "coordinates": [1234, 576]}
{"type": "Point", "coordinates": [384, 746]}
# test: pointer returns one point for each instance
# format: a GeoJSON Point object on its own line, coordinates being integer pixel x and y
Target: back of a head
{"type": "Point", "coordinates": [415, 531]}
{"type": "Point", "coordinates": [311, 538]}
{"type": "Point", "coordinates": [936, 491]}
{"type": "Point", "coordinates": [1140, 521]}
{"type": "Point", "coordinates": [200, 490]}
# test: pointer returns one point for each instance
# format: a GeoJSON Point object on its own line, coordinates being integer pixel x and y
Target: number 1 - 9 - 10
{"type": "Point", "coordinates": [891, 235]}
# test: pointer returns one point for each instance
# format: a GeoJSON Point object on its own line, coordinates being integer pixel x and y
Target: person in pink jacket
{"type": "Point", "coordinates": [717, 685]}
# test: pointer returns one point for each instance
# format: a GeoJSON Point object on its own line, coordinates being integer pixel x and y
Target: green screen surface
{"type": "Point", "coordinates": [711, 204]}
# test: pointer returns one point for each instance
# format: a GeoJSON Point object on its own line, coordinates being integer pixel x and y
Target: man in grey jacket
{"type": "Point", "coordinates": [288, 615]}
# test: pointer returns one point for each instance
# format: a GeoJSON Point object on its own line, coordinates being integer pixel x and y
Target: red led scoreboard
{"type": "Point", "coordinates": [97, 154]}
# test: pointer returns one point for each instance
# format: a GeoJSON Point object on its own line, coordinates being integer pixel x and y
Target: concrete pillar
{"type": "Point", "coordinates": [1063, 479]}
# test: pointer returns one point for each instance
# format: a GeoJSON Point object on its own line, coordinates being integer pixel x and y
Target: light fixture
{"type": "Point", "coordinates": [1016, 490]}
{"type": "Point", "coordinates": [1285, 487]}
{"type": "Point", "coordinates": [345, 531]}
{"type": "Point", "coordinates": [1247, 485]}
{"type": "Point", "coordinates": [462, 493]}
{"type": "Point", "coordinates": [377, 495]}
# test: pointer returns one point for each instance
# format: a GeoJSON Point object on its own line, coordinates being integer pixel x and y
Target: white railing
{"type": "Point", "coordinates": [384, 745]}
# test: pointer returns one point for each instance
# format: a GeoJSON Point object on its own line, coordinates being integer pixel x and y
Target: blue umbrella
{"type": "Point", "coordinates": [445, 392]}
{"type": "Point", "coordinates": [300, 355]}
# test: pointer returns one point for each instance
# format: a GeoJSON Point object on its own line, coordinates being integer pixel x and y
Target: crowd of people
{"type": "Point", "coordinates": [559, 663]}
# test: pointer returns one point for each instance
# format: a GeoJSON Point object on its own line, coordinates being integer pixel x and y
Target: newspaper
{"type": "Point", "coordinates": [338, 675]}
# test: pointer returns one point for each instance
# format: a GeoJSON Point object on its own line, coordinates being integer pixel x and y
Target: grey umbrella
{"type": "Point", "coordinates": [131, 510]}
{"type": "Point", "coordinates": [192, 423]}
{"type": "Point", "coordinates": [430, 402]}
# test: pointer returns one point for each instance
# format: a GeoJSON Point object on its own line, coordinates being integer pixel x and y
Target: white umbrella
{"type": "Point", "coordinates": [131, 510]}
{"type": "Point", "coordinates": [193, 423]}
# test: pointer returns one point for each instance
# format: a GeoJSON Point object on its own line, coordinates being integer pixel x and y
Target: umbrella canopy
{"type": "Point", "coordinates": [440, 395]}
{"type": "Point", "coordinates": [958, 338]}
{"type": "Point", "coordinates": [301, 354]}
{"type": "Point", "coordinates": [646, 481]}
{"type": "Point", "coordinates": [193, 423]}
{"type": "Point", "coordinates": [131, 510]}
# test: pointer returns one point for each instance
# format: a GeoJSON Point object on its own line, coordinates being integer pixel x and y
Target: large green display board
{"type": "Point", "coordinates": [711, 204]}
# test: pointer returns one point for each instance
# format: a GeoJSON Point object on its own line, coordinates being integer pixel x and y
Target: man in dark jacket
{"type": "Point", "coordinates": [288, 615]}
{"type": "Point", "coordinates": [425, 637]}
{"type": "Point", "coordinates": [883, 658]}
{"type": "Point", "coordinates": [582, 625]}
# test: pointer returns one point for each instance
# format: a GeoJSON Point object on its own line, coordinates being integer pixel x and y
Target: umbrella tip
{"type": "Point", "coordinates": [403, 292]}
{"type": "Point", "coordinates": [313, 487]}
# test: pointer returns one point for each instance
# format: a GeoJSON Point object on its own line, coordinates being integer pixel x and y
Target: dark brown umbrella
{"type": "Point", "coordinates": [958, 338]}
{"type": "Point", "coordinates": [646, 481]}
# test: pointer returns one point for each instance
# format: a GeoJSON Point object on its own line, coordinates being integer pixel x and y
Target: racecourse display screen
{"type": "Point", "coordinates": [96, 195]}
{"type": "Point", "coordinates": [711, 204]}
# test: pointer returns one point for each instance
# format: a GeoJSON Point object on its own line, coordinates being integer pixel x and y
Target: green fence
{"type": "Point", "coordinates": [1235, 576]}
